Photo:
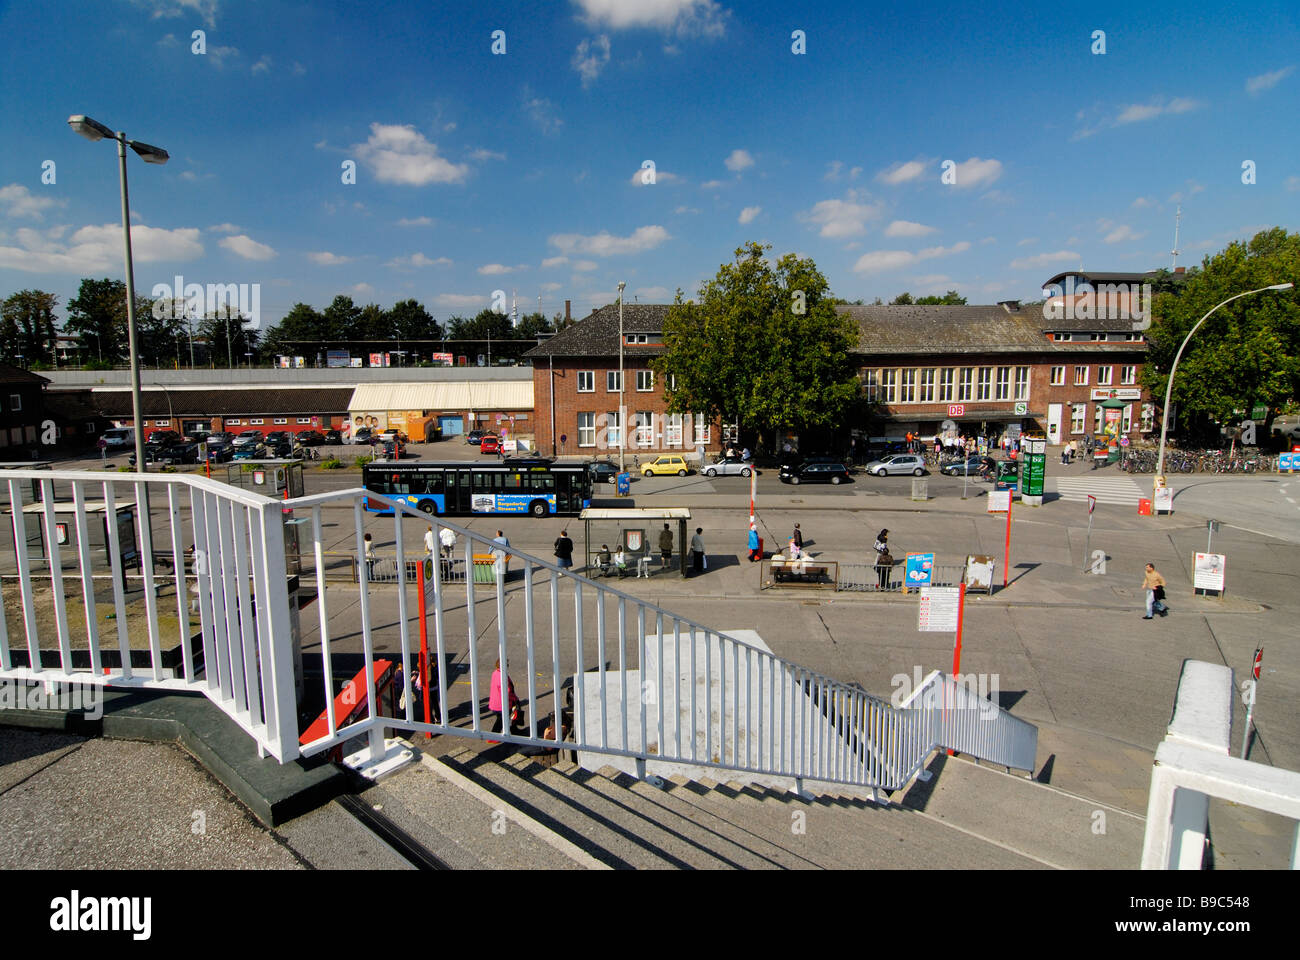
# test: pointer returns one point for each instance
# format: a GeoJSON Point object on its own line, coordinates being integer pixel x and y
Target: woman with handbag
{"type": "Point", "coordinates": [1154, 585]}
{"type": "Point", "coordinates": [494, 702]}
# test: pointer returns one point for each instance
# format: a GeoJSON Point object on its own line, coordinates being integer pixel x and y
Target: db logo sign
{"type": "Point", "coordinates": [956, 409]}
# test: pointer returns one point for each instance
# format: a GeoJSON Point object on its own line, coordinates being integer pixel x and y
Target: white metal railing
{"type": "Point", "coordinates": [644, 683]}
{"type": "Point", "coordinates": [224, 568]}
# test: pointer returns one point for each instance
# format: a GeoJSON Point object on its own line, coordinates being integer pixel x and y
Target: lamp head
{"type": "Point", "coordinates": [148, 153]}
{"type": "Point", "coordinates": [90, 129]}
{"type": "Point", "coordinates": [1282, 286]}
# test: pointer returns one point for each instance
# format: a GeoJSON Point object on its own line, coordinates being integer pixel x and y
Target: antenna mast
{"type": "Point", "coordinates": [1177, 217]}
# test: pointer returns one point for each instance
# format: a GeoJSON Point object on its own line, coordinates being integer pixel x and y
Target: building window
{"type": "Point", "coordinates": [15, 402]}
{"type": "Point", "coordinates": [586, 381]}
{"type": "Point", "coordinates": [1077, 413]}
{"type": "Point", "coordinates": [281, 421]}
{"type": "Point", "coordinates": [1126, 424]}
{"type": "Point", "coordinates": [613, 431]}
{"type": "Point", "coordinates": [1103, 376]}
{"type": "Point", "coordinates": [908, 392]}
{"type": "Point", "coordinates": [1058, 376]}
{"type": "Point", "coordinates": [302, 420]}
{"type": "Point", "coordinates": [586, 429]}
{"type": "Point", "coordinates": [670, 382]}
{"type": "Point", "coordinates": [1134, 336]}
{"type": "Point", "coordinates": [1064, 337]}
{"type": "Point", "coordinates": [673, 430]}
{"type": "Point", "coordinates": [232, 421]}
{"type": "Point", "coordinates": [985, 384]}
{"type": "Point", "coordinates": [871, 384]}
{"type": "Point", "coordinates": [257, 422]}
{"type": "Point", "coordinates": [1096, 421]}
{"type": "Point", "coordinates": [1004, 383]}
{"type": "Point", "coordinates": [1128, 375]}
{"type": "Point", "coordinates": [644, 428]}
{"type": "Point", "coordinates": [636, 338]}
{"type": "Point", "coordinates": [927, 386]}
{"type": "Point", "coordinates": [613, 381]}
{"type": "Point", "coordinates": [1080, 376]}
{"type": "Point", "coordinates": [162, 423]}
{"type": "Point", "coordinates": [945, 384]}
{"type": "Point", "coordinates": [1022, 383]}
{"type": "Point", "coordinates": [645, 381]}
{"type": "Point", "coordinates": [703, 429]}
{"type": "Point", "coordinates": [889, 386]}
{"type": "Point", "coordinates": [1148, 417]}
{"type": "Point", "coordinates": [965, 382]}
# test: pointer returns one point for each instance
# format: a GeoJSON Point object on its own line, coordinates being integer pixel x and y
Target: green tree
{"type": "Point", "coordinates": [903, 299]}
{"type": "Point", "coordinates": [412, 322]}
{"type": "Point", "coordinates": [97, 314]}
{"type": "Point", "coordinates": [763, 345]}
{"type": "Point", "coordinates": [1248, 352]}
{"type": "Point", "coordinates": [27, 326]}
{"type": "Point", "coordinates": [228, 337]}
{"type": "Point", "coordinates": [530, 325]}
{"type": "Point", "coordinates": [342, 322]}
{"type": "Point", "coordinates": [300, 333]}
{"type": "Point", "coordinates": [951, 298]}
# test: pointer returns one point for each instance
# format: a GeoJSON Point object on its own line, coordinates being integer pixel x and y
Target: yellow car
{"type": "Point", "coordinates": [665, 466]}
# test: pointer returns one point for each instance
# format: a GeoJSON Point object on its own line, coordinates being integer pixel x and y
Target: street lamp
{"type": "Point", "coordinates": [93, 130]}
{"type": "Point", "coordinates": [622, 409]}
{"type": "Point", "coordinates": [1169, 388]}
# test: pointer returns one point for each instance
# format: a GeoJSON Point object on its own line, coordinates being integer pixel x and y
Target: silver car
{"type": "Point", "coordinates": [729, 467]}
{"type": "Point", "coordinates": [899, 463]}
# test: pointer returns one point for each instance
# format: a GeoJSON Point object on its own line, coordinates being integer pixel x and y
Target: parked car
{"type": "Point", "coordinates": [394, 450]}
{"type": "Point", "coordinates": [603, 471]}
{"type": "Point", "coordinates": [729, 466]}
{"type": "Point", "coordinates": [391, 434]}
{"type": "Point", "coordinates": [667, 465]}
{"type": "Point", "coordinates": [490, 443]}
{"type": "Point", "coordinates": [162, 438]}
{"type": "Point", "coordinates": [333, 436]}
{"type": "Point", "coordinates": [152, 454]}
{"type": "Point", "coordinates": [199, 435]}
{"type": "Point", "coordinates": [898, 463]}
{"type": "Point", "coordinates": [278, 436]}
{"type": "Point", "coordinates": [815, 472]}
{"type": "Point", "coordinates": [119, 438]}
{"type": "Point", "coordinates": [250, 451]}
{"type": "Point", "coordinates": [221, 438]}
{"type": "Point", "coordinates": [474, 436]}
{"type": "Point", "coordinates": [311, 438]}
{"type": "Point", "coordinates": [363, 435]}
{"type": "Point", "coordinates": [220, 453]}
{"type": "Point", "coordinates": [179, 453]}
{"type": "Point", "coordinates": [248, 438]}
{"type": "Point", "coordinates": [970, 466]}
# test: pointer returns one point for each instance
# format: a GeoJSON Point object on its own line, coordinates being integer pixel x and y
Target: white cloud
{"type": "Point", "coordinates": [400, 154]}
{"type": "Point", "coordinates": [496, 269]}
{"type": "Point", "coordinates": [903, 172]}
{"type": "Point", "coordinates": [17, 201]}
{"type": "Point", "coordinates": [1026, 242]}
{"type": "Point", "coordinates": [651, 294]}
{"type": "Point", "coordinates": [246, 247]}
{"type": "Point", "coordinates": [685, 18]}
{"type": "Point", "coordinates": [832, 170]}
{"type": "Point", "coordinates": [1045, 259]}
{"type": "Point", "coordinates": [590, 58]}
{"type": "Point", "coordinates": [1122, 233]}
{"type": "Point", "coordinates": [879, 260]}
{"type": "Point", "coordinates": [1141, 203]}
{"type": "Point", "coordinates": [326, 259]}
{"type": "Point", "coordinates": [854, 173]}
{"type": "Point", "coordinates": [988, 240]}
{"type": "Point", "coordinates": [1267, 81]}
{"type": "Point", "coordinates": [739, 160]}
{"type": "Point", "coordinates": [1292, 184]}
{"type": "Point", "coordinates": [263, 65]}
{"type": "Point", "coordinates": [661, 176]}
{"type": "Point", "coordinates": [482, 154]}
{"type": "Point", "coordinates": [416, 260]}
{"type": "Point", "coordinates": [976, 172]}
{"type": "Point", "coordinates": [684, 209]}
{"type": "Point", "coordinates": [96, 249]}
{"type": "Point", "coordinates": [841, 218]}
{"type": "Point", "coordinates": [170, 9]}
{"type": "Point", "coordinates": [748, 214]}
{"type": "Point", "coordinates": [225, 228]}
{"type": "Point", "coordinates": [551, 287]}
{"type": "Point", "coordinates": [219, 55]}
{"type": "Point", "coordinates": [541, 111]}
{"type": "Point", "coordinates": [712, 184]}
{"type": "Point", "coordinates": [585, 266]}
{"type": "Point", "coordinates": [415, 222]}
{"type": "Point", "coordinates": [906, 228]}
{"type": "Point", "coordinates": [605, 244]}
{"type": "Point", "coordinates": [550, 262]}
{"type": "Point", "coordinates": [298, 69]}
{"type": "Point", "coordinates": [363, 288]}
{"type": "Point", "coordinates": [1137, 112]}
{"type": "Point", "coordinates": [460, 300]}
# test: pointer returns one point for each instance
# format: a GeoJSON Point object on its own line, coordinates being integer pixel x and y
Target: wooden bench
{"type": "Point", "coordinates": [802, 572]}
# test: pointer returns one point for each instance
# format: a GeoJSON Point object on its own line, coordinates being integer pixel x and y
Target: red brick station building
{"type": "Point", "coordinates": [986, 368]}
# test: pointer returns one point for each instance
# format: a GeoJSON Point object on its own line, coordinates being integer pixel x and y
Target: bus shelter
{"type": "Point", "coordinates": [637, 529]}
{"type": "Point", "coordinates": [272, 478]}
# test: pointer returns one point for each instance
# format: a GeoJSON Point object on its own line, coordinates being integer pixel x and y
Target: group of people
{"type": "Point", "coordinates": [618, 561]}
{"type": "Point", "coordinates": [731, 452]}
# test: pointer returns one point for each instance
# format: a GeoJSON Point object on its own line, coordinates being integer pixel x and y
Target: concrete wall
{"type": "Point", "coordinates": [324, 377]}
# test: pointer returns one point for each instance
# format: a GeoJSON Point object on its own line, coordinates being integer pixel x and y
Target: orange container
{"type": "Point", "coordinates": [1144, 507]}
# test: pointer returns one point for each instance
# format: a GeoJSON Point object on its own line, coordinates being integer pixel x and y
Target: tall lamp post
{"type": "Point", "coordinates": [622, 410]}
{"type": "Point", "coordinates": [1169, 388]}
{"type": "Point", "coordinates": [93, 130]}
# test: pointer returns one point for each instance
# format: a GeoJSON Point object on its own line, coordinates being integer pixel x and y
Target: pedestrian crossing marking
{"type": "Point", "coordinates": [1112, 490]}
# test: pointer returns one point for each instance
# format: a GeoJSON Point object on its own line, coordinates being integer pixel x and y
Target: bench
{"type": "Point", "coordinates": [802, 572]}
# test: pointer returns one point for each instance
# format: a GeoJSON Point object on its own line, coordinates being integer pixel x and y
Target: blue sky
{"type": "Point", "coordinates": [522, 171]}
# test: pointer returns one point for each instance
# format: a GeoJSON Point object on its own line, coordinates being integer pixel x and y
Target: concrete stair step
{"type": "Point", "coordinates": [1034, 819]}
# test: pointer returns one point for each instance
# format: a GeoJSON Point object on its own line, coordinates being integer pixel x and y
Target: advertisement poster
{"type": "Point", "coordinates": [482, 503]}
{"type": "Point", "coordinates": [999, 501]}
{"type": "Point", "coordinates": [937, 612]}
{"type": "Point", "coordinates": [1209, 571]}
{"type": "Point", "coordinates": [919, 567]}
{"type": "Point", "coordinates": [338, 358]}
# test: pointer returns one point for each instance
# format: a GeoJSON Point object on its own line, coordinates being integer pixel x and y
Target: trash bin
{"type": "Point", "coordinates": [624, 484]}
{"type": "Point", "coordinates": [920, 489]}
{"type": "Point", "coordinates": [1144, 507]}
{"type": "Point", "coordinates": [485, 565]}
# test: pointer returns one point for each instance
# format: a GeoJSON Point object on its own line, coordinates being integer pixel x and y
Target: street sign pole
{"type": "Point", "coordinates": [424, 639]}
{"type": "Point", "coordinates": [1248, 695]}
{"type": "Point", "coordinates": [1007, 553]}
{"type": "Point", "coordinates": [1087, 546]}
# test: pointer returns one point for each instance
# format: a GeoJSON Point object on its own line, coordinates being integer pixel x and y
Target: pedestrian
{"type": "Point", "coordinates": [620, 562]}
{"type": "Point", "coordinates": [563, 550]}
{"type": "Point", "coordinates": [754, 552]}
{"type": "Point", "coordinates": [603, 560]}
{"type": "Point", "coordinates": [666, 545]}
{"type": "Point", "coordinates": [369, 544]}
{"type": "Point", "coordinates": [429, 540]}
{"type": "Point", "coordinates": [1154, 585]}
{"type": "Point", "coordinates": [502, 558]}
{"type": "Point", "coordinates": [495, 702]}
{"type": "Point", "coordinates": [883, 560]}
{"type": "Point", "coordinates": [938, 445]}
{"type": "Point", "coordinates": [447, 537]}
{"type": "Point", "coordinates": [797, 537]}
{"type": "Point", "coordinates": [745, 454]}
{"type": "Point", "coordinates": [698, 562]}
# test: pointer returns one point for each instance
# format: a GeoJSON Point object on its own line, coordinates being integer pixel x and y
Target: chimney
{"type": "Point", "coordinates": [567, 317]}
{"type": "Point", "coordinates": [1010, 306]}
{"type": "Point", "coordinates": [1180, 269]}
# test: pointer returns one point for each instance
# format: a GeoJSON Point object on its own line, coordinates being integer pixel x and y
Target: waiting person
{"type": "Point", "coordinates": [429, 541]}
{"type": "Point", "coordinates": [447, 537]}
{"type": "Point", "coordinates": [495, 702]}
{"type": "Point", "coordinates": [698, 563]}
{"type": "Point", "coordinates": [884, 563]}
{"type": "Point", "coordinates": [666, 545]}
{"type": "Point", "coordinates": [797, 537]}
{"type": "Point", "coordinates": [369, 545]}
{"type": "Point", "coordinates": [1154, 585]}
{"type": "Point", "coordinates": [563, 550]}
{"type": "Point", "coordinates": [502, 558]}
{"type": "Point", "coordinates": [603, 560]}
{"type": "Point", "coordinates": [754, 552]}
{"type": "Point", "coordinates": [620, 562]}
{"type": "Point", "coordinates": [745, 454]}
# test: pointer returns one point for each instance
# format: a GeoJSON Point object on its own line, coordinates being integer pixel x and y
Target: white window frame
{"type": "Point", "coordinates": [1148, 417]}
{"type": "Point", "coordinates": [15, 402]}
{"type": "Point", "coordinates": [613, 430]}
{"type": "Point", "coordinates": [233, 422]}
{"type": "Point", "coordinates": [589, 378]}
{"type": "Point", "coordinates": [1058, 376]}
{"type": "Point", "coordinates": [1105, 375]}
{"type": "Point", "coordinates": [984, 384]}
{"type": "Point", "coordinates": [1126, 421]}
{"type": "Point", "coordinates": [947, 381]}
{"type": "Point", "coordinates": [1081, 371]}
{"type": "Point", "coordinates": [1064, 336]}
{"type": "Point", "coordinates": [1022, 383]}
{"type": "Point", "coordinates": [673, 430]}
{"type": "Point", "coordinates": [648, 378]}
{"type": "Point", "coordinates": [1128, 375]}
{"type": "Point", "coordinates": [613, 381]}
{"type": "Point", "coordinates": [925, 390]}
{"type": "Point", "coordinates": [871, 384]}
{"type": "Point", "coordinates": [645, 433]}
{"type": "Point", "coordinates": [589, 430]}
{"type": "Point", "coordinates": [304, 420]}
{"type": "Point", "coordinates": [1002, 385]}
{"type": "Point", "coordinates": [256, 422]}
{"type": "Point", "coordinates": [907, 385]}
{"type": "Point", "coordinates": [1078, 417]}
{"type": "Point", "coordinates": [966, 384]}
{"type": "Point", "coordinates": [636, 338]}
{"type": "Point", "coordinates": [281, 421]}
{"type": "Point", "coordinates": [1097, 420]}
{"type": "Point", "coordinates": [889, 386]}
{"type": "Point", "coordinates": [703, 429]}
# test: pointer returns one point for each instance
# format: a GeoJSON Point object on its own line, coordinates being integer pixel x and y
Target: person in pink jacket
{"type": "Point", "coordinates": [494, 698]}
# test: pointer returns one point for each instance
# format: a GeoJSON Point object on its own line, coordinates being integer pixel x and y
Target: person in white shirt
{"type": "Point", "coordinates": [429, 541]}
{"type": "Point", "coordinates": [448, 538]}
{"type": "Point", "coordinates": [503, 558]}
{"type": "Point", "coordinates": [620, 562]}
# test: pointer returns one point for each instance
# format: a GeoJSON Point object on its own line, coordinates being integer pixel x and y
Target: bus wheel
{"type": "Point", "coordinates": [538, 509]}
{"type": "Point", "coordinates": [428, 506]}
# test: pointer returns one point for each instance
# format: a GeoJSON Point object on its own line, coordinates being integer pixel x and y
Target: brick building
{"type": "Point", "coordinates": [22, 411]}
{"type": "Point", "coordinates": [234, 408]}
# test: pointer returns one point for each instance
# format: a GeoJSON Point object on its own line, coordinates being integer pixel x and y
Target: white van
{"type": "Point", "coordinates": [119, 438]}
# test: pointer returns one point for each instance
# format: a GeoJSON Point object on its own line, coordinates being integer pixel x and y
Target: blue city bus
{"type": "Point", "coordinates": [460, 489]}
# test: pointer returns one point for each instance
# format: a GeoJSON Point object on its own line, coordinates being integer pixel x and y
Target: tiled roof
{"type": "Point", "coordinates": [212, 403]}
{"type": "Point", "coordinates": [11, 374]}
{"type": "Point", "coordinates": [596, 335]}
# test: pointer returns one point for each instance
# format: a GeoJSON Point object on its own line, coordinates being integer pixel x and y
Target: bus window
{"type": "Point", "coordinates": [487, 482]}
{"type": "Point", "coordinates": [433, 482]}
{"type": "Point", "coordinates": [514, 482]}
{"type": "Point", "coordinates": [541, 482]}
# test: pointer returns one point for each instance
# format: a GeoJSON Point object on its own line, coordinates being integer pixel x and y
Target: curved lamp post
{"type": "Point", "coordinates": [622, 404]}
{"type": "Point", "coordinates": [1169, 389]}
{"type": "Point", "coordinates": [93, 130]}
